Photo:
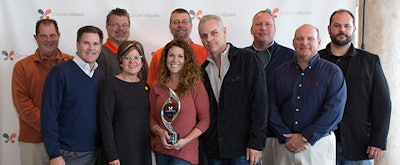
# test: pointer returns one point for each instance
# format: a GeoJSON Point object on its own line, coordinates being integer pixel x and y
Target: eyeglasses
{"type": "Point", "coordinates": [183, 22]}
{"type": "Point", "coordinates": [136, 58]}
{"type": "Point", "coordinates": [116, 25]}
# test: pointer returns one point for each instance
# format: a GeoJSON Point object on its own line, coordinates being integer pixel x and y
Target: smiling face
{"type": "Point", "coordinates": [180, 26]}
{"type": "Point", "coordinates": [89, 47]}
{"type": "Point", "coordinates": [118, 29]}
{"type": "Point", "coordinates": [132, 62]}
{"type": "Point", "coordinates": [263, 28]}
{"type": "Point", "coordinates": [306, 42]}
{"type": "Point", "coordinates": [175, 59]}
{"type": "Point", "coordinates": [47, 40]}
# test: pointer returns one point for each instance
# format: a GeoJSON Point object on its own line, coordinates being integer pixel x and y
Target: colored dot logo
{"type": "Point", "coordinates": [44, 14]}
{"type": "Point", "coordinates": [8, 55]}
{"type": "Point", "coordinates": [274, 12]}
{"type": "Point", "coordinates": [195, 14]}
{"type": "Point", "coordinates": [9, 138]}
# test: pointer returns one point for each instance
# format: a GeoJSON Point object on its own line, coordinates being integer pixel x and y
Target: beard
{"type": "Point", "coordinates": [121, 38]}
{"type": "Point", "coordinates": [335, 39]}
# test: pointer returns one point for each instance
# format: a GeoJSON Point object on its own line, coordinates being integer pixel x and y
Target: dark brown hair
{"type": "Point", "coordinates": [190, 73]}
{"type": "Point", "coordinates": [46, 22]}
{"type": "Point", "coordinates": [118, 12]}
{"type": "Point", "coordinates": [128, 46]}
{"type": "Point", "coordinates": [89, 29]}
{"type": "Point", "coordinates": [341, 11]}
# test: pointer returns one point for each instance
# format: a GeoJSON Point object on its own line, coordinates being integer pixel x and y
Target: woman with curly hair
{"type": "Point", "coordinates": [178, 71]}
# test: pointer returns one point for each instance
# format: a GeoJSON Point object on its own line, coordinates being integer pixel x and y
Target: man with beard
{"type": "Point", "coordinates": [362, 133]}
{"type": "Point", "coordinates": [180, 25]}
{"type": "Point", "coordinates": [118, 29]}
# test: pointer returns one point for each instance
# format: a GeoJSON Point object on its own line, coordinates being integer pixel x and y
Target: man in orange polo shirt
{"type": "Point", "coordinates": [180, 26]}
{"type": "Point", "coordinates": [118, 25]}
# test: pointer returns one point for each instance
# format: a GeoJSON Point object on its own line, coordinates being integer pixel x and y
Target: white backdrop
{"type": "Point", "coordinates": [149, 25]}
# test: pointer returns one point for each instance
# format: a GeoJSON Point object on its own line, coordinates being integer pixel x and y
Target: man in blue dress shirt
{"type": "Point", "coordinates": [307, 98]}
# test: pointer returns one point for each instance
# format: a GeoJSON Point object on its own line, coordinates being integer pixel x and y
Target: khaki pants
{"type": "Point", "coordinates": [33, 153]}
{"type": "Point", "coordinates": [322, 152]}
{"type": "Point", "coordinates": [268, 154]}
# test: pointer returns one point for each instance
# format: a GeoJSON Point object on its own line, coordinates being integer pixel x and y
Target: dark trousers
{"type": "Point", "coordinates": [81, 158]}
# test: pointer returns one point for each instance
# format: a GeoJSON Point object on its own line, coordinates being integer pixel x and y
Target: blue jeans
{"type": "Point", "coordinates": [241, 160]}
{"type": "Point", "coordinates": [340, 160]}
{"type": "Point", "coordinates": [163, 159]}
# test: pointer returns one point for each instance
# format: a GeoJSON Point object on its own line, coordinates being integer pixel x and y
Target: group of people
{"type": "Point", "coordinates": [263, 104]}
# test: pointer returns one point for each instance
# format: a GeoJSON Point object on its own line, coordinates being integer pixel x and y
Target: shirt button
{"type": "Point", "coordinates": [302, 74]}
{"type": "Point", "coordinates": [298, 97]}
{"type": "Point", "coordinates": [296, 122]}
{"type": "Point", "coordinates": [297, 110]}
{"type": "Point", "coordinates": [300, 85]}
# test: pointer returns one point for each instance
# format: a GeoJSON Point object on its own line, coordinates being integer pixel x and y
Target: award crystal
{"type": "Point", "coordinates": [169, 111]}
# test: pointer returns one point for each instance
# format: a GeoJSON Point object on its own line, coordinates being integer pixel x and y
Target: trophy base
{"type": "Point", "coordinates": [173, 138]}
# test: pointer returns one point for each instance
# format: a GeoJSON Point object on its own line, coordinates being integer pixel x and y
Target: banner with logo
{"type": "Point", "coordinates": [149, 25]}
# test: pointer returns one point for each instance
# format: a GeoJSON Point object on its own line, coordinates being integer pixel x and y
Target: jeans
{"type": "Point", "coordinates": [163, 159]}
{"type": "Point", "coordinates": [340, 160]}
{"type": "Point", "coordinates": [241, 160]}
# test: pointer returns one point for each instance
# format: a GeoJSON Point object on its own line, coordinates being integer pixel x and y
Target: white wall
{"type": "Point", "coordinates": [150, 20]}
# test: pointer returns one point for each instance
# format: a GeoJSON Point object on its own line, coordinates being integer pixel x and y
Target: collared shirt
{"type": "Point", "coordinates": [85, 66]}
{"type": "Point", "coordinates": [368, 101]}
{"type": "Point", "coordinates": [49, 62]}
{"type": "Point", "coordinates": [28, 78]}
{"type": "Point", "coordinates": [217, 75]}
{"type": "Point", "coordinates": [309, 101]}
{"type": "Point", "coordinates": [111, 46]}
{"type": "Point", "coordinates": [341, 61]}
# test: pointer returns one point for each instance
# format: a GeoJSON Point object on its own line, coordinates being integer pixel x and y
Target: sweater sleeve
{"type": "Point", "coordinates": [101, 61]}
{"type": "Point", "coordinates": [153, 108]}
{"type": "Point", "coordinates": [52, 97]}
{"type": "Point", "coordinates": [202, 107]}
{"type": "Point", "coordinates": [23, 102]}
{"type": "Point", "coordinates": [107, 101]}
{"type": "Point", "coordinates": [258, 102]}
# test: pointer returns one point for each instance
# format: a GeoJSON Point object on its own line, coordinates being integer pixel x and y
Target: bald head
{"type": "Point", "coordinates": [306, 42]}
{"type": "Point", "coordinates": [307, 27]}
